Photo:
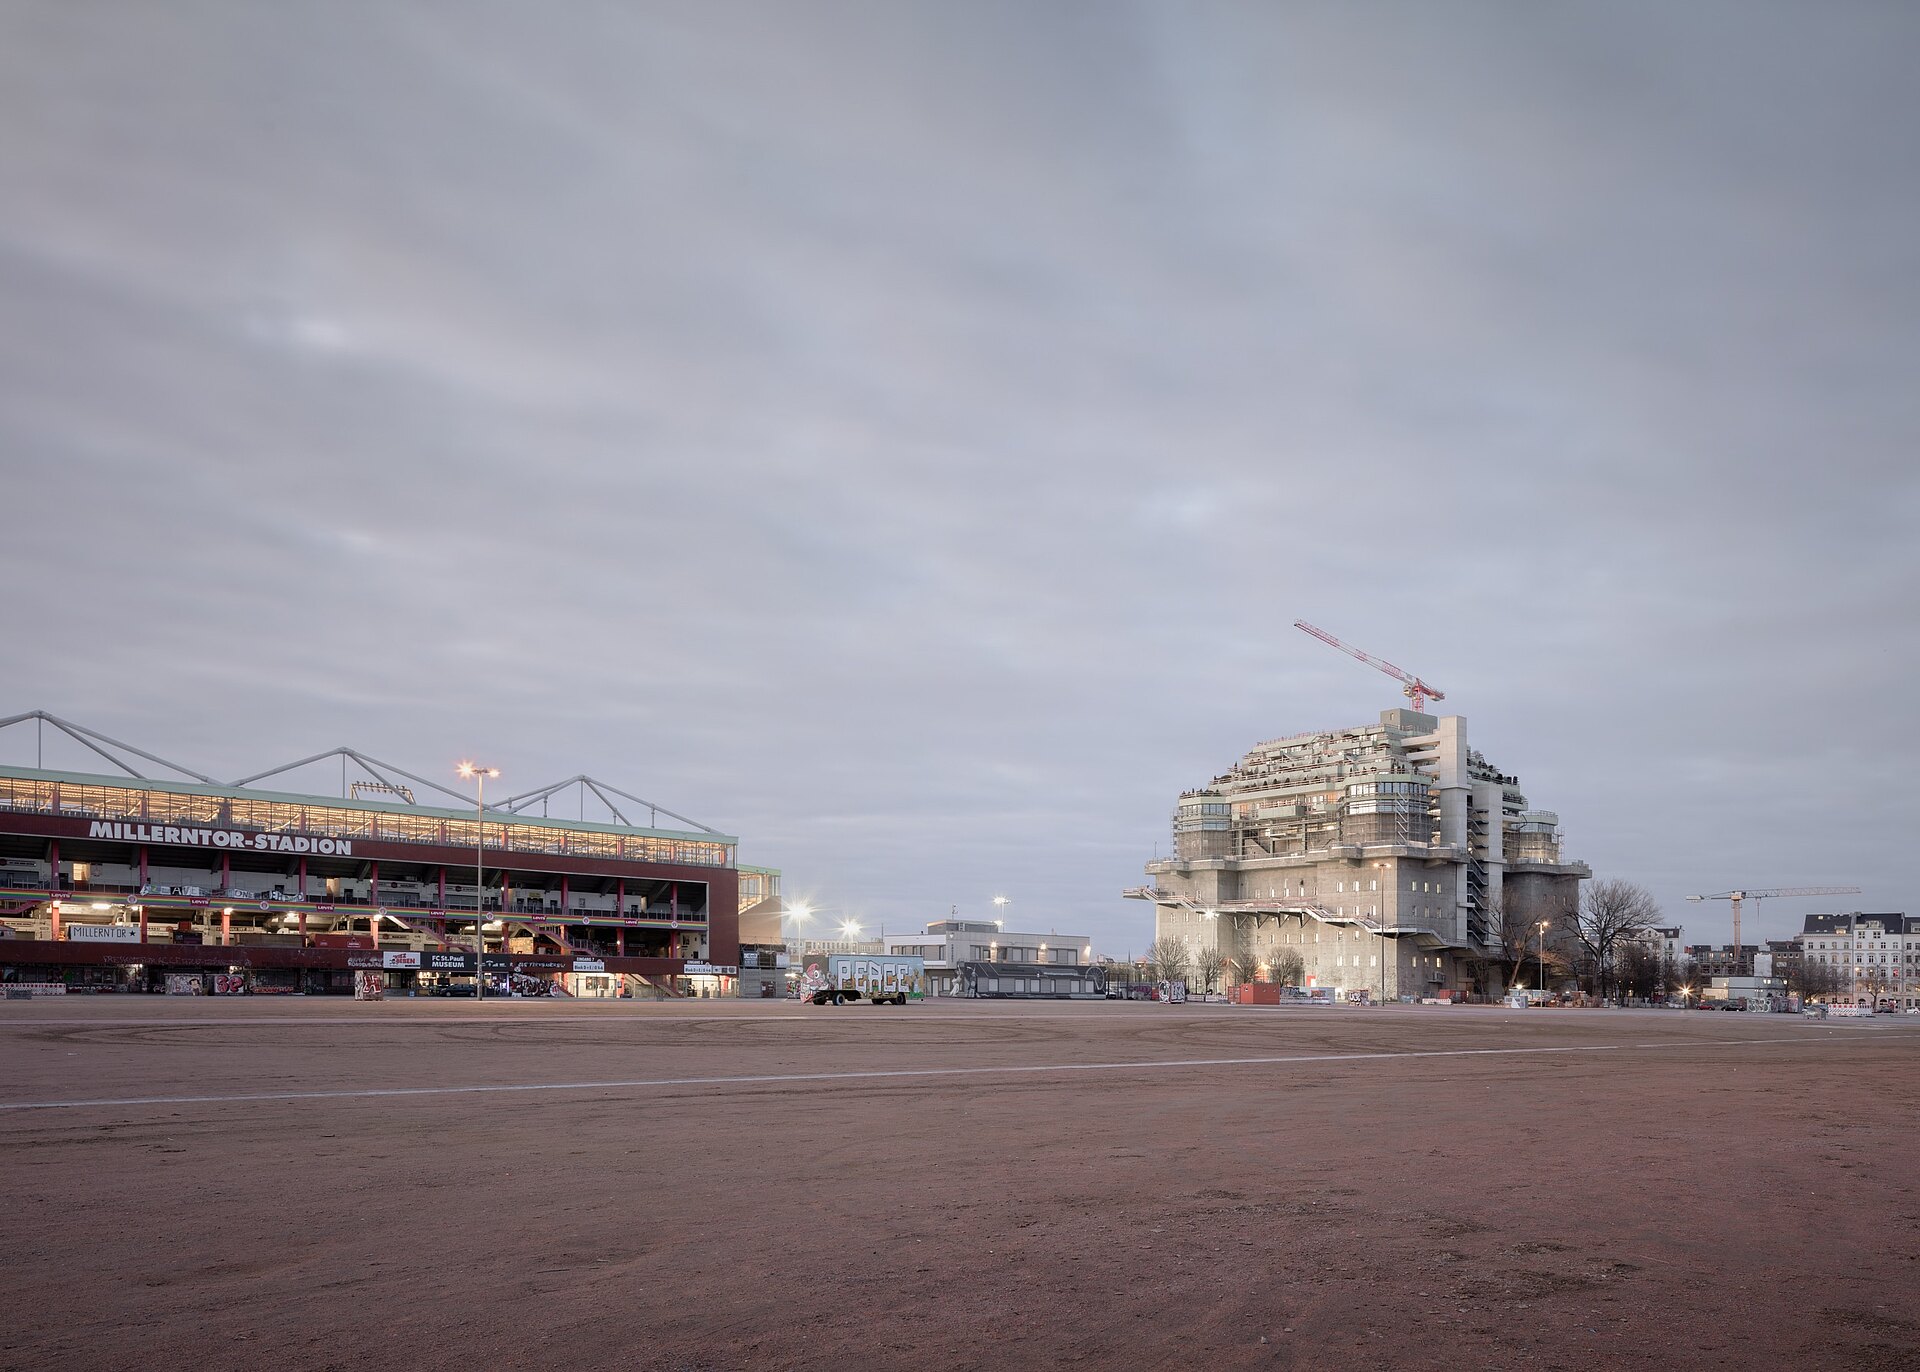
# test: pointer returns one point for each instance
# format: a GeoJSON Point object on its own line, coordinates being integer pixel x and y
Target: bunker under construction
{"type": "Point", "coordinates": [1384, 856]}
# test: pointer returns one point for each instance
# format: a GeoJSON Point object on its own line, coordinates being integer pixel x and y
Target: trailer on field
{"type": "Point", "coordinates": [883, 978]}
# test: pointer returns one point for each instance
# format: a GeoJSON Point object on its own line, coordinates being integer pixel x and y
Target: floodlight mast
{"type": "Point", "coordinates": [479, 775]}
{"type": "Point", "coordinates": [1413, 687]}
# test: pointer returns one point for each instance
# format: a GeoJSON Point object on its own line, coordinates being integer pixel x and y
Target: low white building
{"type": "Point", "coordinates": [947, 943]}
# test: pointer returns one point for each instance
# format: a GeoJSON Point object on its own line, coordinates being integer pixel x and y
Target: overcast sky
{"type": "Point", "coordinates": [903, 435]}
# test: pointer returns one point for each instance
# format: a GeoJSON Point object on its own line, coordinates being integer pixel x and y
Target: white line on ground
{"type": "Point", "coordinates": [880, 1074]}
{"type": "Point", "coordinates": [392, 1021]}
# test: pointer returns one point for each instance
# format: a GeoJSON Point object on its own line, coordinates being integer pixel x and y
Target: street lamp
{"type": "Point", "coordinates": [1000, 903]}
{"type": "Point", "coordinates": [479, 775]}
{"type": "Point", "coordinates": [1543, 957]}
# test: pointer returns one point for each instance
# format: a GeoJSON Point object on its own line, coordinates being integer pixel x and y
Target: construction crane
{"type": "Point", "coordinates": [1737, 896]}
{"type": "Point", "coordinates": [1415, 689]}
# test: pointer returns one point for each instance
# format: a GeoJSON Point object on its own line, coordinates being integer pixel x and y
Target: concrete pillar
{"type": "Point", "coordinates": [226, 927]}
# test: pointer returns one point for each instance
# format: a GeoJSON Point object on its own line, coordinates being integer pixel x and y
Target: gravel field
{"type": "Point", "coordinates": [298, 1184]}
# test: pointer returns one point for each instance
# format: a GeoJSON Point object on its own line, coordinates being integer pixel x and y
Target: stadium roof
{"type": "Point", "coordinates": [382, 784]}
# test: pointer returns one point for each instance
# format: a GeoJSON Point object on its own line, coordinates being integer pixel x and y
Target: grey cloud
{"type": "Point", "coordinates": [903, 435]}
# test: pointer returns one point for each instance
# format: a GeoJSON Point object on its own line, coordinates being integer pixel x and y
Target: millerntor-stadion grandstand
{"type": "Point", "coordinates": [125, 882]}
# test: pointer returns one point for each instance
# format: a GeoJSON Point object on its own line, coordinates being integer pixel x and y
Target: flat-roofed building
{"type": "Point", "coordinates": [948, 945]}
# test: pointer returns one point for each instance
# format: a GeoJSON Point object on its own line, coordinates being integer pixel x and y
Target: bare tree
{"type": "Point", "coordinates": [1522, 941]}
{"type": "Point", "coordinates": [1517, 928]}
{"type": "Point", "coordinates": [1607, 912]}
{"type": "Point", "coordinates": [1639, 970]}
{"type": "Point", "coordinates": [1287, 968]}
{"type": "Point", "coordinates": [1167, 958]}
{"type": "Point", "coordinates": [1814, 980]}
{"type": "Point", "coordinates": [1209, 963]}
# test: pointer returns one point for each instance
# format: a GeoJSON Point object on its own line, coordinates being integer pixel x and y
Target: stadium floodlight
{"type": "Point", "coordinates": [479, 775]}
{"type": "Point", "coordinates": [850, 929]}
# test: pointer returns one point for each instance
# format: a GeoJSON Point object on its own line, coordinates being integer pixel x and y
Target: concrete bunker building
{"type": "Point", "coordinates": [1383, 855]}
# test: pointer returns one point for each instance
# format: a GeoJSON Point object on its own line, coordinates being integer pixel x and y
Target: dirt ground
{"type": "Point", "coordinates": [952, 1185]}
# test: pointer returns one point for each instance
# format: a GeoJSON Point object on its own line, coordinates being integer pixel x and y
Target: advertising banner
{"type": "Point", "coordinates": [400, 961]}
{"type": "Point", "coordinates": [500, 962]}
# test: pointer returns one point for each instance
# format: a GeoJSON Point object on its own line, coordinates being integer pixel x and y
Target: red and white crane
{"type": "Point", "coordinates": [1415, 689]}
{"type": "Point", "coordinates": [1737, 896]}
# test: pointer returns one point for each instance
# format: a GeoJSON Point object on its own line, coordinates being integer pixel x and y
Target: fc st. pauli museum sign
{"type": "Point", "coordinates": [190, 837]}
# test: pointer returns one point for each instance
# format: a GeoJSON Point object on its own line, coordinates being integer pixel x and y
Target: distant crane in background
{"type": "Point", "coordinates": [1415, 689]}
{"type": "Point", "coordinates": [1737, 896]}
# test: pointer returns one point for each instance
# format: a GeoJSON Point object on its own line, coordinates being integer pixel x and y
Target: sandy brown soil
{"type": "Point", "coordinates": [1669, 1194]}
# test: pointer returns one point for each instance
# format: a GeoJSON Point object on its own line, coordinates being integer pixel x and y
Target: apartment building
{"type": "Point", "coordinates": [1876, 957]}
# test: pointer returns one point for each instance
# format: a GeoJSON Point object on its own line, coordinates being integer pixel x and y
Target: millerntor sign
{"type": "Point", "coordinates": [189, 837]}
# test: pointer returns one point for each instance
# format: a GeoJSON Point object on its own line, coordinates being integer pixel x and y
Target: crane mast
{"type": "Point", "coordinates": [1736, 897]}
{"type": "Point", "coordinates": [1413, 687]}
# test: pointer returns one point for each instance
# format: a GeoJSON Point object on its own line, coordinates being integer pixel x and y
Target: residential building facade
{"type": "Point", "coordinates": [1874, 957]}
